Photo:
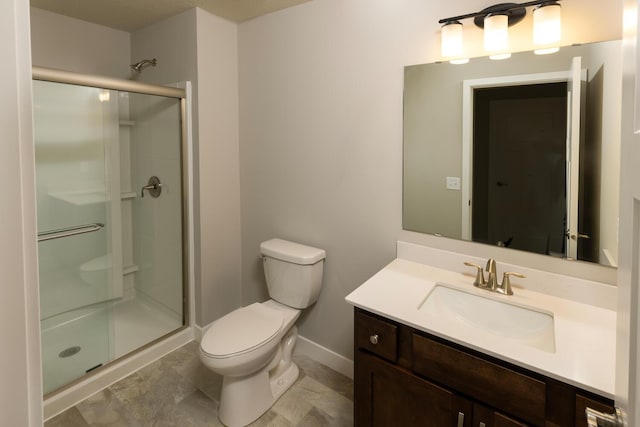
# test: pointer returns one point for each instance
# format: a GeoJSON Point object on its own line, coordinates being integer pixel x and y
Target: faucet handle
{"type": "Point", "coordinates": [479, 282]}
{"type": "Point", "coordinates": [505, 287]}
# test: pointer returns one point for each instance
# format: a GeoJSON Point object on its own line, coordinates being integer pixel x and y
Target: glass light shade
{"type": "Point", "coordinates": [547, 24]}
{"type": "Point", "coordinates": [546, 51]}
{"type": "Point", "coordinates": [452, 42]}
{"type": "Point", "coordinates": [496, 33]}
{"type": "Point", "coordinates": [500, 56]}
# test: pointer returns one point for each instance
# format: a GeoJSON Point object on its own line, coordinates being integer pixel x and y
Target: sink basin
{"type": "Point", "coordinates": [516, 323]}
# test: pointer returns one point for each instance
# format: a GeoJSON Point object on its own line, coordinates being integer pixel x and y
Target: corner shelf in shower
{"type": "Point", "coordinates": [127, 123]}
{"type": "Point", "coordinates": [129, 269]}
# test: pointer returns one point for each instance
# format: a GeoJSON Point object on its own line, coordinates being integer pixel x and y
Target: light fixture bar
{"type": "Point", "coordinates": [506, 7]}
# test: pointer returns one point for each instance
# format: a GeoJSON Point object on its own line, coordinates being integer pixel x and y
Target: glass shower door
{"type": "Point", "coordinates": [75, 128]}
{"type": "Point", "coordinates": [111, 225]}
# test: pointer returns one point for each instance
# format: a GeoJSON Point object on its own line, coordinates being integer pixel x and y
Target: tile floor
{"type": "Point", "coordinates": [178, 390]}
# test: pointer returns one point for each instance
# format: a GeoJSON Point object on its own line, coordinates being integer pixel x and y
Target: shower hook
{"type": "Point", "coordinates": [139, 66]}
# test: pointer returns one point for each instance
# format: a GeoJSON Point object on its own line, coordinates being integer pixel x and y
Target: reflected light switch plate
{"type": "Point", "coordinates": [453, 183]}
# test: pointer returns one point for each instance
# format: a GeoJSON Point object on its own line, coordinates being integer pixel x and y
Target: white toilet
{"type": "Point", "coordinates": [252, 346]}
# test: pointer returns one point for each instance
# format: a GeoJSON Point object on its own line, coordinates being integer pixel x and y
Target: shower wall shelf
{"type": "Point", "coordinates": [81, 198]}
{"type": "Point", "coordinates": [127, 123]}
{"type": "Point", "coordinates": [129, 269]}
{"type": "Point", "coordinates": [128, 195]}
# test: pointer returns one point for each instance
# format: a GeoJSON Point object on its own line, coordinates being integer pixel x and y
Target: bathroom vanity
{"type": "Point", "coordinates": [432, 350]}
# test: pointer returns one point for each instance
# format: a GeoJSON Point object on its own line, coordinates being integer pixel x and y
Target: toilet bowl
{"type": "Point", "coordinates": [248, 349]}
{"type": "Point", "coordinates": [252, 347]}
{"type": "Point", "coordinates": [246, 339]}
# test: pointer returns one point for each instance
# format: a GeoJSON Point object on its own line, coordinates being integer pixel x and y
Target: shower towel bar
{"type": "Point", "coordinates": [68, 231]}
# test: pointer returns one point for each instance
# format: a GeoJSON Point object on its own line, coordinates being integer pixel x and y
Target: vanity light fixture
{"type": "Point", "coordinates": [496, 20]}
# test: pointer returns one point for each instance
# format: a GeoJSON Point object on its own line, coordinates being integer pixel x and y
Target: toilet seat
{"type": "Point", "coordinates": [242, 331]}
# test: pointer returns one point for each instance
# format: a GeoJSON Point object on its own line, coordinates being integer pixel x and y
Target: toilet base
{"type": "Point", "coordinates": [244, 399]}
{"type": "Point", "coordinates": [283, 382]}
{"type": "Point", "coordinates": [261, 391]}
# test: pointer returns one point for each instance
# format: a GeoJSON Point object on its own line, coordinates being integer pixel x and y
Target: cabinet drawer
{"type": "Point", "coordinates": [495, 385]}
{"type": "Point", "coordinates": [377, 336]}
{"type": "Point", "coordinates": [584, 402]}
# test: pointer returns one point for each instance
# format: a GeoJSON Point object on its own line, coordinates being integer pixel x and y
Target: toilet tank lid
{"type": "Point", "coordinates": [291, 252]}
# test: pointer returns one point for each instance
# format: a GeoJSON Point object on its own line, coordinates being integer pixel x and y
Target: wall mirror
{"type": "Point", "coordinates": [522, 153]}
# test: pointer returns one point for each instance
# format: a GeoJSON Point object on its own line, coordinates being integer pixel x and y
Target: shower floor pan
{"type": "Point", "coordinates": [76, 342]}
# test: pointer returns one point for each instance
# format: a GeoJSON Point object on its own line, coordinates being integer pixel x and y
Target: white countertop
{"type": "Point", "coordinates": [585, 334]}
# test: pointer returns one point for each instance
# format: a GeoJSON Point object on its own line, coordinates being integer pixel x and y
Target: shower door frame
{"type": "Point", "coordinates": [75, 391]}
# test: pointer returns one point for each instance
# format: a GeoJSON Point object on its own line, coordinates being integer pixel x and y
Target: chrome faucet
{"type": "Point", "coordinates": [491, 284]}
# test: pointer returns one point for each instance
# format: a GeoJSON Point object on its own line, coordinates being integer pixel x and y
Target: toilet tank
{"type": "Point", "coordinates": [293, 272]}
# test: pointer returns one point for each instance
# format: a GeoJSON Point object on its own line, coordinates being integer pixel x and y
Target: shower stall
{"type": "Point", "coordinates": [111, 168]}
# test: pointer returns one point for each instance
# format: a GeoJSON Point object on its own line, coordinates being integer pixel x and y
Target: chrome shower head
{"type": "Point", "coordinates": [139, 66]}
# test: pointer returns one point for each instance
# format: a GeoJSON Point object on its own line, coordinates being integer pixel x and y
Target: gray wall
{"type": "Point", "coordinates": [321, 134]}
{"type": "Point", "coordinates": [20, 373]}
{"type": "Point", "coordinates": [71, 44]}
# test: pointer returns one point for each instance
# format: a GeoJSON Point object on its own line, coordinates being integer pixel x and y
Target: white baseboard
{"type": "Point", "coordinates": [323, 355]}
{"type": "Point", "coordinates": [308, 348]}
{"type": "Point", "coordinates": [199, 331]}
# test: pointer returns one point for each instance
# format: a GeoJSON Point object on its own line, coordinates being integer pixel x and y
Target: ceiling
{"type": "Point", "coordinates": [131, 15]}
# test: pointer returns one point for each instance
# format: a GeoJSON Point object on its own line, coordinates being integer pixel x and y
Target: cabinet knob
{"type": "Point", "coordinates": [374, 339]}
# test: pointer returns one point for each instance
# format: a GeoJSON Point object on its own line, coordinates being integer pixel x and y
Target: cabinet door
{"type": "Point", "coordinates": [489, 382]}
{"type": "Point", "coordinates": [387, 395]}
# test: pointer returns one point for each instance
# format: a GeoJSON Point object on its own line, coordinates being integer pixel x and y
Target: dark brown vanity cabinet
{"type": "Point", "coordinates": [405, 377]}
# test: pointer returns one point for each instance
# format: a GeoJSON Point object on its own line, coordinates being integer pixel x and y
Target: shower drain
{"type": "Point", "coordinates": [68, 352]}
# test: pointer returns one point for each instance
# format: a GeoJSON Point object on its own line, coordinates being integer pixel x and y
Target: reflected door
{"type": "Point", "coordinates": [519, 167]}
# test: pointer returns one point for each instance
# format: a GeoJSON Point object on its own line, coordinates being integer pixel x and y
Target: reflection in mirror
{"type": "Point", "coordinates": [522, 153]}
